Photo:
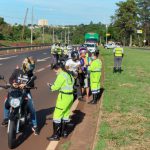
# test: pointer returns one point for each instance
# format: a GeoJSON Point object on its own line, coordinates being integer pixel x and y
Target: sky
{"type": "Point", "coordinates": [58, 12]}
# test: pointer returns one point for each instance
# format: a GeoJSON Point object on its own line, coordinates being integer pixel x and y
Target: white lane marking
{"type": "Point", "coordinates": [44, 59]}
{"type": "Point", "coordinates": [53, 144]}
{"type": "Point", "coordinates": [48, 66]}
{"type": "Point", "coordinates": [40, 70]}
{"type": "Point", "coordinates": [1, 64]}
{"type": "Point", "coordinates": [5, 58]}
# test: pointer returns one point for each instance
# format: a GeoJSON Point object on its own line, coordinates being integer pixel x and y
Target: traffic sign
{"type": "Point", "coordinates": [108, 34]}
{"type": "Point", "coordinates": [139, 31]}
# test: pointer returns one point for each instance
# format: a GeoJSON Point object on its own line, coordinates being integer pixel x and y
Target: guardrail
{"type": "Point", "coordinates": [24, 48]}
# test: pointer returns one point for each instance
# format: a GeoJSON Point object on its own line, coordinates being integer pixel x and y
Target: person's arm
{"type": "Point", "coordinates": [58, 83]}
{"type": "Point", "coordinates": [122, 52]}
{"type": "Point", "coordinates": [13, 77]}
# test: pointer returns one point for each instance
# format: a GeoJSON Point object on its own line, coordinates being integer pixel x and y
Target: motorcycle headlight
{"type": "Point", "coordinates": [15, 102]}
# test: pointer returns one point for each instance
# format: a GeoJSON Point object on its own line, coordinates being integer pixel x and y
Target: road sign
{"type": "Point", "coordinates": [108, 34]}
{"type": "Point", "coordinates": [139, 31]}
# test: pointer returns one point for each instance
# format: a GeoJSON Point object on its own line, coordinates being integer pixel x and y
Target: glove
{"type": "Point", "coordinates": [49, 85]}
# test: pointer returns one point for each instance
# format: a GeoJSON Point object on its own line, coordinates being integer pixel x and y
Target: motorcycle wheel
{"type": "Point", "coordinates": [12, 134]}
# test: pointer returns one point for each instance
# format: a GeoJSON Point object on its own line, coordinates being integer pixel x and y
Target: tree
{"type": "Point", "coordinates": [144, 15]}
{"type": "Point", "coordinates": [125, 20]}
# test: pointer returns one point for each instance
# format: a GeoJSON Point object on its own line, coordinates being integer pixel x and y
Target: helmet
{"type": "Point", "coordinates": [28, 64]}
{"type": "Point", "coordinates": [75, 55]}
{"type": "Point", "coordinates": [83, 50]}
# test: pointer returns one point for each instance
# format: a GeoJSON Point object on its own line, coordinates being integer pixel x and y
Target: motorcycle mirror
{"type": "Point", "coordinates": [1, 77]}
{"type": "Point", "coordinates": [33, 78]}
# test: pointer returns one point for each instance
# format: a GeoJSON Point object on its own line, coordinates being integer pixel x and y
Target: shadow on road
{"type": "Point", "coordinates": [41, 118]}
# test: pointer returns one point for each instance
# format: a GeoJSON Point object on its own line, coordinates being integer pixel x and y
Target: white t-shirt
{"type": "Point", "coordinates": [73, 65]}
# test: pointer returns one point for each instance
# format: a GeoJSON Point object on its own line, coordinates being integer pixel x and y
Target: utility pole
{"type": "Point", "coordinates": [24, 24]}
{"type": "Point", "coordinates": [53, 36]}
{"type": "Point", "coordinates": [106, 33]}
{"type": "Point", "coordinates": [43, 34]}
{"type": "Point", "coordinates": [68, 36]}
{"type": "Point", "coordinates": [61, 37]}
{"type": "Point", "coordinates": [32, 27]}
{"type": "Point", "coordinates": [65, 37]}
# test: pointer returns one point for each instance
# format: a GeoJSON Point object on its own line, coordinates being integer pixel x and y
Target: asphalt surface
{"type": "Point", "coordinates": [44, 100]}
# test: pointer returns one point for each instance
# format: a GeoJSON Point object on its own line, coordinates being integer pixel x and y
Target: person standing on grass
{"type": "Point", "coordinates": [95, 76]}
{"type": "Point", "coordinates": [118, 56]}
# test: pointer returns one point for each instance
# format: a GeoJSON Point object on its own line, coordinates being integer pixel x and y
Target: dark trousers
{"type": "Point", "coordinates": [117, 62]}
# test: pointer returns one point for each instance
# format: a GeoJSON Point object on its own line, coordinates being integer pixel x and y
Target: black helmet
{"type": "Point", "coordinates": [75, 55]}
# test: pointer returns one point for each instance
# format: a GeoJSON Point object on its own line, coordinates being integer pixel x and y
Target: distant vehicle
{"type": "Point", "coordinates": [92, 38]}
{"type": "Point", "coordinates": [91, 47]}
{"type": "Point", "coordinates": [110, 45]}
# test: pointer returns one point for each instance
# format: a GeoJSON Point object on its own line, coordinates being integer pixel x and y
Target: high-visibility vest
{"type": "Point", "coordinates": [118, 51]}
{"type": "Point", "coordinates": [67, 81]}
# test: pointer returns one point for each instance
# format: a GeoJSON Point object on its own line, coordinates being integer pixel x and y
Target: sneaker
{"type": "Point", "coordinates": [35, 130]}
{"type": "Point", "coordinates": [5, 122]}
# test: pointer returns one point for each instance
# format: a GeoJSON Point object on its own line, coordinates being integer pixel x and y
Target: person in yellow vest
{"type": "Point", "coordinates": [59, 50]}
{"type": "Point", "coordinates": [95, 77]}
{"type": "Point", "coordinates": [118, 56]}
{"type": "Point", "coordinates": [64, 84]}
{"type": "Point", "coordinates": [65, 51]}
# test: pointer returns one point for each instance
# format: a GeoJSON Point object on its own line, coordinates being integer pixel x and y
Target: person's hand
{"type": "Point", "coordinates": [49, 84]}
{"type": "Point", "coordinates": [15, 85]}
{"type": "Point", "coordinates": [22, 86]}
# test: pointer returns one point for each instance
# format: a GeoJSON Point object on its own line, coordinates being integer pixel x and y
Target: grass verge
{"type": "Point", "coordinates": [125, 120]}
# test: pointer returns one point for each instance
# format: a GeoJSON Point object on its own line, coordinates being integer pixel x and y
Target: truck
{"type": "Point", "coordinates": [92, 38]}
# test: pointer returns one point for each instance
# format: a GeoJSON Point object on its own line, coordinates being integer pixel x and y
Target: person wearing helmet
{"type": "Point", "coordinates": [64, 84]}
{"type": "Point", "coordinates": [22, 76]}
{"type": "Point", "coordinates": [65, 50]}
{"type": "Point", "coordinates": [72, 65]}
{"type": "Point", "coordinates": [59, 51]}
{"type": "Point", "coordinates": [53, 53]}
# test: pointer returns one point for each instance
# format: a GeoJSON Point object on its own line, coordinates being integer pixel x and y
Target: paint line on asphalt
{"type": "Point", "coordinates": [44, 59]}
{"type": "Point", "coordinates": [5, 58]}
{"type": "Point", "coordinates": [53, 144]}
{"type": "Point", "coordinates": [1, 64]}
{"type": "Point", "coordinates": [40, 70]}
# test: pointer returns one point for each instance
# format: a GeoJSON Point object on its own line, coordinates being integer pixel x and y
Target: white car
{"type": "Point", "coordinates": [91, 47]}
{"type": "Point", "coordinates": [109, 46]}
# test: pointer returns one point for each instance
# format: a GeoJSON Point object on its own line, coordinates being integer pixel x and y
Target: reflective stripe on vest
{"type": "Point", "coordinates": [68, 84]}
{"type": "Point", "coordinates": [118, 51]}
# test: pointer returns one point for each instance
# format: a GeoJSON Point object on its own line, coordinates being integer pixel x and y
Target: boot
{"type": "Point", "coordinates": [64, 132]}
{"type": "Point", "coordinates": [56, 132]}
{"type": "Point", "coordinates": [114, 70]}
{"type": "Point", "coordinates": [119, 69]}
{"type": "Point", "coordinates": [98, 96]}
{"type": "Point", "coordinates": [94, 101]}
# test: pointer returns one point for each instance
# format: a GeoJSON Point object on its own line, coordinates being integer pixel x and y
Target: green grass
{"type": "Point", "coordinates": [65, 146]}
{"type": "Point", "coordinates": [125, 121]}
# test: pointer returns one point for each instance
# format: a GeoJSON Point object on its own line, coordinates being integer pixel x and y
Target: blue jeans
{"type": "Point", "coordinates": [31, 110]}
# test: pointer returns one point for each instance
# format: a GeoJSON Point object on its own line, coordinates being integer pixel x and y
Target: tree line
{"type": "Point", "coordinates": [130, 25]}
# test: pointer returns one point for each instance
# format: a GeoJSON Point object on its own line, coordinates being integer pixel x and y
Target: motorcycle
{"type": "Point", "coordinates": [18, 112]}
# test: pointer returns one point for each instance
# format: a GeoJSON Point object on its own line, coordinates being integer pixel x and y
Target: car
{"type": "Point", "coordinates": [109, 45]}
{"type": "Point", "coordinates": [91, 47]}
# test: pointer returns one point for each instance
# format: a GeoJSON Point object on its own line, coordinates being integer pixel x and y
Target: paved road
{"type": "Point", "coordinates": [44, 100]}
